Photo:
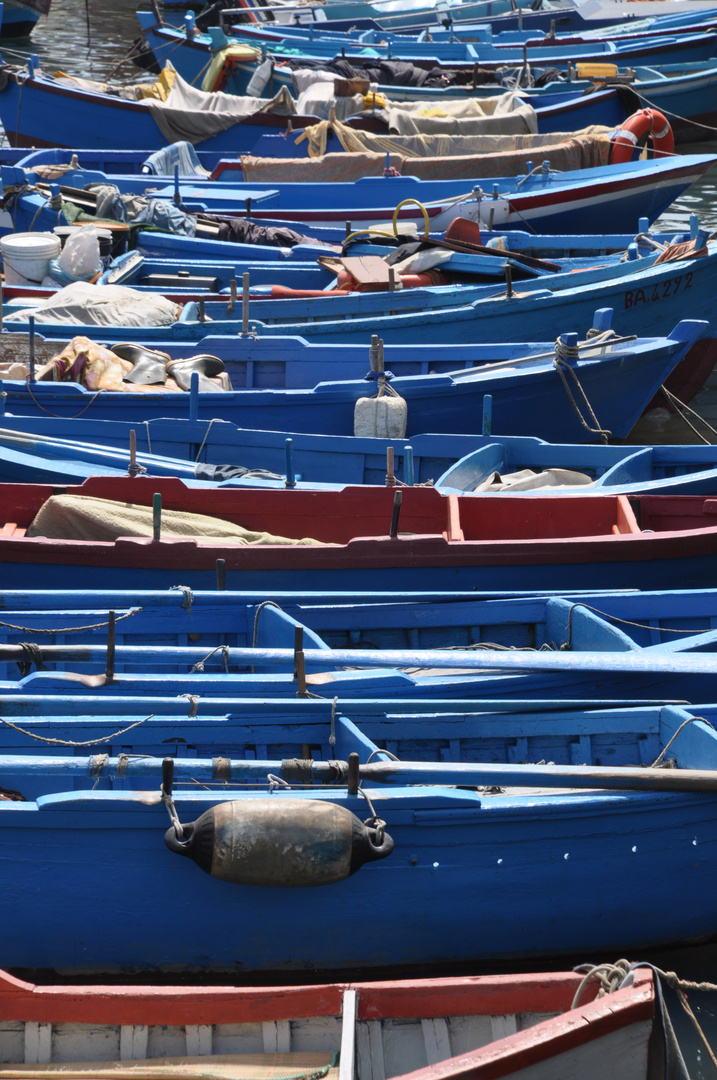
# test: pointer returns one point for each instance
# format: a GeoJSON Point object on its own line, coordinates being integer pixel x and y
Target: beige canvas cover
{"type": "Point", "coordinates": [488, 155]}
{"type": "Point", "coordinates": [84, 517]}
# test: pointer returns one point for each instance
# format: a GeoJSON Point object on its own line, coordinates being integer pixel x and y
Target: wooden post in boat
{"type": "Point", "coordinates": [508, 282]}
{"type": "Point", "coordinates": [299, 661]}
{"type": "Point", "coordinates": [31, 346]}
{"type": "Point", "coordinates": [391, 279]}
{"type": "Point", "coordinates": [202, 316]}
{"type": "Point", "coordinates": [348, 229]}
{"type": "Point", "coordinates": [133, 467]}
{"type": "Point", "coordinates": [352, 784]}
{"type": "Point", "coordinates": [408, 468]}
{"type": "Point", "coordinates": [110, 665]}
{"type": "Point", "coordinates": [397, 499]}
{"type": "Point", "coordinates": [487, 426]}
{"type": "Point", "coordinates": [390, 478]}
{"type": "Point", "coordinates": [194, 396]}
{"type": "Point", "coordinates": [232, 295]}
{"type": "Point", "coordinates": [156, 516]}
{"type": "Point", "coordinates": [290, 481]}
{"type": "Point", "coordinates": [221, 575]}
{"type": "Point", "coordinates": [373, 353]}
{"type": "Point", "coordinates": [245, 305]}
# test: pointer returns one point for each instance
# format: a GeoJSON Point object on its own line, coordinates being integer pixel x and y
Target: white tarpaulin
{"type": "Point", "coordinates": [101, 305]}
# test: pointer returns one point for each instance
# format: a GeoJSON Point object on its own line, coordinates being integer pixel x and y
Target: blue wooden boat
{"type": "Point", "coordinates": [135, 125]}
{"type": "Point", "coordinates": [190, 54]}
{"type": "Point", "coordinates": [209, 452]}
{"type": "Point", "coordinates": [299, 280]}
{"type": "Point", "coordinates": [354, 538]}
{"type": "Point", "coordinates": [380, 16]}
{"type": "Point", "coordinates": [454, 817]}
{"type": "Point", "coordinates": [345, 1029]}
{"type": "Point", "coordinates": [439, 314]}
{"type": "Point", "coordinates": [527, 395]}
{"type": "Point", "coordinates": [213, 648]}
{"type": "Point", "coordinates": [544, 201]}
{"type": "Point", "coordinates": [19, 17]}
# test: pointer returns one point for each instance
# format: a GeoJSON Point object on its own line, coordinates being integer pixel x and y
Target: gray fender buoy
{"type": "Point", "coordinates": [279, 842]}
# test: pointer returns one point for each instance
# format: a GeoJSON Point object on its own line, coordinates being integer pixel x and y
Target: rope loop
{"type": "Point", "coordinates": [71, 742]}
{"type": "Point", "coordinates": [173, 815]}
{"type": "Point", "coordinates": [565, 372]}
{"type": "Point", "coordinates": [70, 629]}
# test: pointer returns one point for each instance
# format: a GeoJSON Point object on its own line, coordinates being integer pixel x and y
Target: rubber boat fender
{"type": "Point", "coordinates": [647, 123]}
{"type": "Point", "coordinates": [280, 842]}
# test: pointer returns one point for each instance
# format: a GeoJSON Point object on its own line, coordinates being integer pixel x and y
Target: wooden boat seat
{"type": "Point", "coordinates": [626, 520]}
{"type": "Point", "coordinates": [10, 529]}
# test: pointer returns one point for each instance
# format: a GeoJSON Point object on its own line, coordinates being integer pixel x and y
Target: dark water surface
{"type": "Point", "coordinates": [63, 41]}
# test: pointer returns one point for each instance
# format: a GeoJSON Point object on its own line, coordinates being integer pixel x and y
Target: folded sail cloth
{"type": "Point", "coordinates": [468, 154]}
{"type": "Point", "coordinates": [101, 305]}
{"type": "Point", "coordinates": [82, 517]}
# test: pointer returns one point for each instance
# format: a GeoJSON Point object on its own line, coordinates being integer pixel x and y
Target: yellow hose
{"type": "Point", "coordinates": [366, 232]}
{"type": "Point", "coordinates": [425, 216]}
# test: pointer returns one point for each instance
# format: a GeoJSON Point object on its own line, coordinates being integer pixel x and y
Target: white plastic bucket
{"type": "Point", "coordinates": [26, 256]}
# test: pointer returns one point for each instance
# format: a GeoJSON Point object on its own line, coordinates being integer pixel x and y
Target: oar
{"type": "Point", "coordinates": [91, 453]}
{"type": "Point", "coordinates": [396, 773]}
{"type": "Point", "coordinates": [626, 663]}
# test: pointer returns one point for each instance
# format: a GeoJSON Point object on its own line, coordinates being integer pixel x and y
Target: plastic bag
{"type": "Point", "coordinates": [80, 257]}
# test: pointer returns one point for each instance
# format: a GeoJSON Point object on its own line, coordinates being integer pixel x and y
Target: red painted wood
{"type": "Point", "coordinates": [173, 1005]}
{"type": "Point", "coordinates": [583, 1025]}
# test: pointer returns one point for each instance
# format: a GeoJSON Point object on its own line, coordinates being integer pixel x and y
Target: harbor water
{"type": "Point", "coordinates": [92, 39]}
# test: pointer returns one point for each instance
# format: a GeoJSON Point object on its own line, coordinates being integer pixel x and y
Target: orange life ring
{"type": "Point", "coordinates": [646, 122]}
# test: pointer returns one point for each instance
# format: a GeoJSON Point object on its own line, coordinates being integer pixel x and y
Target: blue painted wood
{"type": "Point", "coordinates": [99, 854]}
{"type": "Point", "coordinates": [527, 396]}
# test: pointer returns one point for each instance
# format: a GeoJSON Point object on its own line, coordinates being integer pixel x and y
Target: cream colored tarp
{"type": "Point", "coordinates": [82, 517]}
{"type": "Point", "coordinates": [505, 114]}
{"type": "Point", "coordinates": [490, 156]}
{"type": "Point", "coordinates": [319, 99]}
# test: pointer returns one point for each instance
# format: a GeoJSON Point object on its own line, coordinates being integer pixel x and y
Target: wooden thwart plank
{"type": "Point", "coordinates": [367, 269]}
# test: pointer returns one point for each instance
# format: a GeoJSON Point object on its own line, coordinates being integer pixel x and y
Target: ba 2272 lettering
{"type": "Point", "coordinates": [661, 291]}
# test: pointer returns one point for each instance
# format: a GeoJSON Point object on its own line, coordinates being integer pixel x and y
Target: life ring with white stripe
{"type": "Point", "coordinates": [650, 123]}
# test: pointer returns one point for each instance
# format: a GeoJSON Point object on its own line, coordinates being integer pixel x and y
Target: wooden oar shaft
{"type": "Point", "coordinates": [395, 773]}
